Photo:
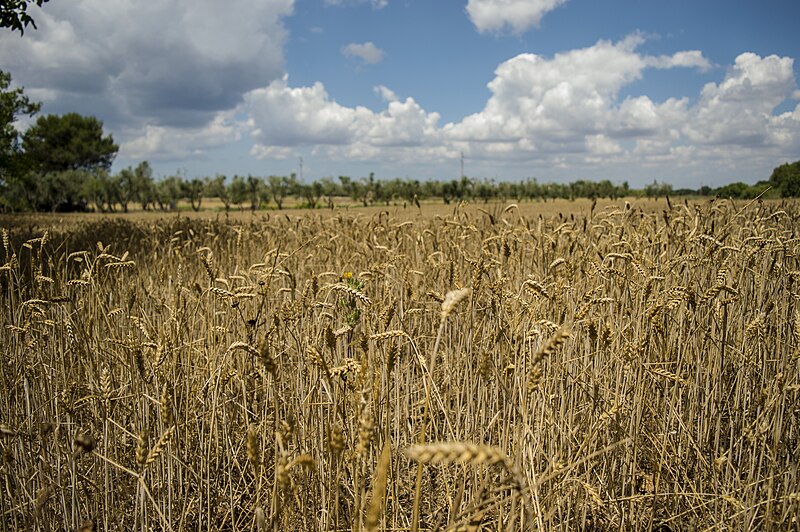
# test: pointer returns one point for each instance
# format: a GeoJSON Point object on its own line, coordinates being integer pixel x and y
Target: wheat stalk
{"type": "Point", "coordinates": [376, 504]}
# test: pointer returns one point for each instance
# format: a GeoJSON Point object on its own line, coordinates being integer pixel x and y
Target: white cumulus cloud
{"type": "Point", "coordinates": [285, 116]}
{"type": "Point", "coordinates": [386, 93]}
{"type": "Point", "coordinates": [558, 101]}
{"type": "Point", "coordinates": [602, 145]}
{"type": "Point", "coordinates": [367, 52]}
{"type": "Point", "coordinates": [559, 112]}
{"type": "Point", "coordinates": [739, 110]}
{"type": "Point", "coordinates": [567, 110]}
{"type": "Point", "coordinates": [288, 116]}
{"type": "Point", "coordinates": [688, 59]}
{"type": "Point", "coordinates": [518, 15]}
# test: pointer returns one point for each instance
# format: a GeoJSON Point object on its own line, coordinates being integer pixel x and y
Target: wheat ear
{"type": "Point", "coordinates": [379, 489]}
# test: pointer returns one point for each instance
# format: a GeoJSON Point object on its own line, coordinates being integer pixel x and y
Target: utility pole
{"type": "Point", "coordinates": [462, 165]}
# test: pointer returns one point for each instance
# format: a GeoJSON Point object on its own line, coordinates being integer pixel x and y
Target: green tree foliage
{"type": "Point", "coordinates": [63, 191]}
{"type": "Point", "coordinates": [70, 190]}
{"type": "Point", "coordinates": [125, 187]}
{"type": "Point", "coordinates": [406, 190]}
{"type": "Point", "coordinates": [786, 179]}
{"type": "Point", "coordinates": [365, 189]}
{"type": "Point", "coordinates": [101, 191]}
{"type": "Point", "coordinates": [68, 142]}
{"type": "Point", "coordinates": [741, 190]}
{"type": "Point", "coordinates": [135, 185]}
{"type": "Point", "coordinates": [257, 192]}
{"type": "Point", "coordinates": [311, 193]}
{"type": "Point", "coordinates": [237, 191]}
{"type": "Point", "coordinates": [215, 188]}
{"type": "Point", "coordinates": [329, 190]}
{"type": "Point", "coordinates": [348, 186]}
{"type": "Point", "coordinates": [168, 193]}
{"type": "Point", "coordinates": [14, 14]}
{"type": "Point", "coordinates": [194, 190]}
{"type": "Point", "coordinates": [280, 187]}
{"type": "Point", "coordinates": [656, 190]}
{"type": "Point", "coordinates": [13, 104]}
{"type": "Point", "coordinates": [144, 186]}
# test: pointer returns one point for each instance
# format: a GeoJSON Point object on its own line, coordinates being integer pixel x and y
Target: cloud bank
{"type": "Point", "coordinates": [149, 66]}
{"type": "Point", "coordinates": [553, 111]}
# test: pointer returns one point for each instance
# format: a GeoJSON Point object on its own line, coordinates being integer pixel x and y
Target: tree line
{"type": "Point", "coordinates": [136, 188]}
{"type": "Point", "coordinates": [63, 163]}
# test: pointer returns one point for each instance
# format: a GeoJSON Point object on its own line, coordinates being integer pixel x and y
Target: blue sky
{"type": "Point", "coordinates": [684, 92]}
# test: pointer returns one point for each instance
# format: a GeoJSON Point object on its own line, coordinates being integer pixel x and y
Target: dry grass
{"type": "Point", "coordinates": [615, 368]}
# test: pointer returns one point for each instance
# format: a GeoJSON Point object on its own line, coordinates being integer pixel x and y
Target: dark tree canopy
{"type": "Point", "coordinates": [14, 14]}
{"type": "Point", "coordinates": [13, 104]}
{"type": "Point", "coordinates": [56, 143]}
{"type": "Point", "coordinates": [786, 178]}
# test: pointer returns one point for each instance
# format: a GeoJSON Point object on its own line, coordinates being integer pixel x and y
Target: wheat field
{"type": "Point", "coordinates": [618, 368]}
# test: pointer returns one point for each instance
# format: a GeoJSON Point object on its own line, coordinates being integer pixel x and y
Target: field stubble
{"type": "Point", "coordinates": [624, 368]}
